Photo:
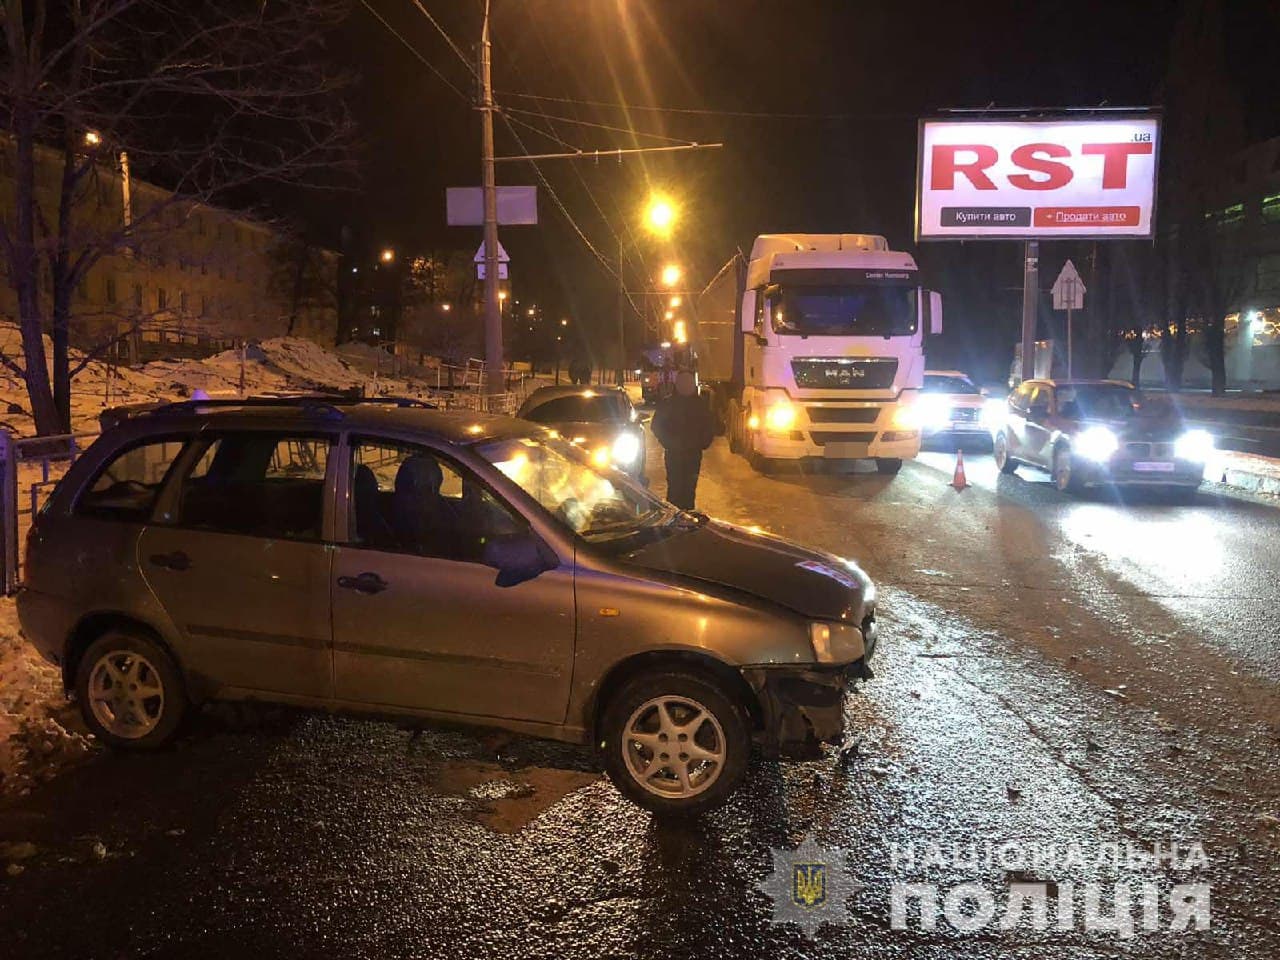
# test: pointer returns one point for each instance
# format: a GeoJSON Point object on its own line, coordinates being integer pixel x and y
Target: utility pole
{"type": "Point", "coordinates": [622, 338]}
{"type": "Point", "coordinates": [1030, 306]}
{"type": "Point", "coordinates": [494, 378]}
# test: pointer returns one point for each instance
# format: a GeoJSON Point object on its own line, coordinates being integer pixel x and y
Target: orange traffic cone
{"type": "Point", "coordinates": [958, 479]}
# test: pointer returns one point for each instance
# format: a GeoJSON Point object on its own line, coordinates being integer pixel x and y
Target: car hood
{"type": "Point", "coordinates": [593, 434]}
{"type": "Point", "coordinates": [960, 399]}
{"type": "Point", "coordinates": [808, 582]}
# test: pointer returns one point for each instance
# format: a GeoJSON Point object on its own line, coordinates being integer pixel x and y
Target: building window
{"type": "Point", "coordinates": [182, 301]}
{"type": "Point", "coordinates": [1267, 280]}
{"type": "Point", "coordinates": [1227, 216]}
{"type": "Point", "coordinates": [137, 295]}
{"type": "Point", "coordinates": [204, 305]}
{"type": "Point", "coordinates": [110, 287]}
{"type": "Point", "coordinates": [162, 298]}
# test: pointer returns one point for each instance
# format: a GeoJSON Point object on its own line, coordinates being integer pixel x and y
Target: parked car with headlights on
{"type": "Point", "coordinates": [1097, 432]}
{"type": "Point", "coordinates": [602, 420]}
{"type": "Point", "coordinates": [448, 566]}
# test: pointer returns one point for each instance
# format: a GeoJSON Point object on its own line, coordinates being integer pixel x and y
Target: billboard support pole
{"type": "Point", "coordinates": [1030, 296]}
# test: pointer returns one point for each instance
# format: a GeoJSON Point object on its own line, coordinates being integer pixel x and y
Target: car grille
{"type": "Point", "coordinates": [842, 414]}
{"type": "Point", "coordinates": [1149, 451]}
{"type": "Point", "coordinates": [845, 373]}
{"type": "Point", "coordinates": [842, 436]}
{"type": "Point", "coordinates": [964, 414]}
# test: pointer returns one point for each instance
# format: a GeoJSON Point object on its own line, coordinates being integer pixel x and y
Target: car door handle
{"type": "Point", "coordinates": [177, 561]}
{"type": "Point", "coordinates": [365, 583]}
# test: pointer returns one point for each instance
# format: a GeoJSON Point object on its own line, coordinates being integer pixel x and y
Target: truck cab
{"type": "Point", "coordinates": [832, 330]}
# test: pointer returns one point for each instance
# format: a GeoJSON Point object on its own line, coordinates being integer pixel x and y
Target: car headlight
{"type": "Point", "coordinates": [600, 457]}
{"type": "Point", "coordinates": [836, 642]}
{"type": "Point", "coordinates": [1194, 445]}
{"type": "Point", "coordinates": [1096, 443]}
{"type": "Point", "coordinates": [934, 412]}
{"type": "Point", "coordinates": [780, 416]}
{"type": "Point", "coordinates": [993, 413]}
{"type": "Point", "coordinates": [626, 448]}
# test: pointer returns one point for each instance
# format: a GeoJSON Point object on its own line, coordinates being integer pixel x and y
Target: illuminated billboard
{"type": "Point", "coordinates": [1037, 179]}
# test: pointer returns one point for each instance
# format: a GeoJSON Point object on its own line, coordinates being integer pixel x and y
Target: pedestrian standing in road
{"type": "Point", "coordinates": [684, 426]}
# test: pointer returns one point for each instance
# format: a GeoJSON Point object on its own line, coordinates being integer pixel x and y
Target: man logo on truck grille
{"type": "Point", "coordinates": [844, 375]}
{"type": "Point", "coordinates": [809, 886]}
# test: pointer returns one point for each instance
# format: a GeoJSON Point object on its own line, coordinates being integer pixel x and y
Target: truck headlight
{"type": "Point", "coordinates": [780, 416]}
{"type": "Point", "coordinates": [907, 417]}
{"type": "Point", "coordinates": [1194, 445]}
{"type": "Point", "coordinates": [1096, 443]}
{"type": "Point", "coordinates": [836, 642]}
{"type": "Point", "coordinates": [626, 448]}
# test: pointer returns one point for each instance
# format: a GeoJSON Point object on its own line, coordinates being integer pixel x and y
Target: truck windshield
{"type": "Point", "coordinates": [869, 310]}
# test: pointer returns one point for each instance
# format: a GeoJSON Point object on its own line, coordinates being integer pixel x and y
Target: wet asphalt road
{"type": "Point", "coordinates": [1052, 672]}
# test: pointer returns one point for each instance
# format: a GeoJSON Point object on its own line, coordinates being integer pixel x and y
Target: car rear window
{"type": "Point", "coordinates": [580, 408]}
{"type": "Point", "coordinates": [126, 488]}
{"type": "Point", "coordinates": [260, 484]}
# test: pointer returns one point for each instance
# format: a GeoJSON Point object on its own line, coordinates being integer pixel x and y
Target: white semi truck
{"type": "Point", "coordinates": [814, 348]}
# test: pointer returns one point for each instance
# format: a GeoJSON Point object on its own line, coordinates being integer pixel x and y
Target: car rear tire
{"type": "Point", "coordinates": [674, 743]}
{"type": "Point", "coordinates": [1000, 450]}
{"type": "Point", "coordinates": [888, 466]}
{"type": "Point", "coordinates": [130, 691]}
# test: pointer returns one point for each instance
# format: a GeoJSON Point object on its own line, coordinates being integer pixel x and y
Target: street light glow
{"type": "Point", "coordinates": [671, 275]}
{"type": "Point", "coordinates": [387, 256]}
{"type": "Point", "coordinates": [670, 314]}
{"type": "Point", "coordinates": [676, 301]}
{"type": "Point", "coordinates": [92, 138]}
{"type": "Point", "coordinates": [660, 215]}
{"type": "Point", "coordinates": [446, 307]}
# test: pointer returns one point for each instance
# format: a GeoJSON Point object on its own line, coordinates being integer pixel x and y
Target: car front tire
{"type": "Point", "coordinates": [674, 743]}
{"type": "Point", "coordinates": [1064, 473]}
{"type": "Point", "coordinates": [888, 466]}
{"type": "Point", "coordinates": [1000, 450]}
{"type": "Point", "coordinates": [130, 691]}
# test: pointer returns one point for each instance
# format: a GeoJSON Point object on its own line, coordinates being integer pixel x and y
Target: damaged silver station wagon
{"type": "Point", "coordinates": [389, 558]}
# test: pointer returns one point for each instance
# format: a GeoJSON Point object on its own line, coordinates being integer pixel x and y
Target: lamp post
{"type": "Point", "coordinates": [660, 215]}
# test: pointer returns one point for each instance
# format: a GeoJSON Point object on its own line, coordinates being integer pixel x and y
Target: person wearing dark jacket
{"type": "Point", "coordinates": [684, 426]}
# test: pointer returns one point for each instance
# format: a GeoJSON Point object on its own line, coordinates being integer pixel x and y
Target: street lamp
{"type": "Point", "coordinates": [92, 138]}
{"type": "Point", "coordinates": [387, 256]}
{"type": "Point", "coordinates": [671, 275]}
{"type": "Point", "coordinates": [676, 301]}
{"type": "Point", "coordinates": [446, 307]}
{"type": "Point", "coordinates": [660, 215]}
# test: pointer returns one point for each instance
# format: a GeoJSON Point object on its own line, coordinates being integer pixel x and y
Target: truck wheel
{"type": "Point", "coordinates": [674, 744]}
{"type": "Point", "coordinates": [130, 691]}
{"type": "Point", "coordinates": [888, 465]}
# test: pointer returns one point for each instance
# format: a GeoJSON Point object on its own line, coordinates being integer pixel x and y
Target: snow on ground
{"type": "Point", "coordinates": [38, 729]}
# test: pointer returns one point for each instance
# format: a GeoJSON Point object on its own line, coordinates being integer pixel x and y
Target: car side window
{"type": "Point", "coordinates": [259, 484]}
{"type": "Point", "coordinates": [1022, 397]}
{"type": "Point", "coordinates": [409, 499]}
{"type": "Point", "coordinates": [128, 486]}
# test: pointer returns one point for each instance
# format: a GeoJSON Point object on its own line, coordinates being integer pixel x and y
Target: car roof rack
{"type": "Point", "coordinates": [331, 404]}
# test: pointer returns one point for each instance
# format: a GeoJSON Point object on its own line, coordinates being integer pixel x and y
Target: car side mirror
{"type": "Point", "coordinates": [761, 341]}
{"type": "Point", "coordinates": [518, 558]}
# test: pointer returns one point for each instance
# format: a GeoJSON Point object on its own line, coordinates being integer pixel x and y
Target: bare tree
{"type": "Point", "coordinates": [304, 277]}
{"type": "Point", "coordinates": [439, 307]}
{"type": "Point", "coordinates": [209, 98]}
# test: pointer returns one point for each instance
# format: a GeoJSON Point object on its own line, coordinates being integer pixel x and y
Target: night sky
{"type": "Point", "coordinates": [860, 73]}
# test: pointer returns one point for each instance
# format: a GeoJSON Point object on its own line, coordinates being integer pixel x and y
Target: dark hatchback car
{"type": "Point", "coordinates": [1099, 432]}
{"type": "Point", "coordinates": [602, 420]}
{"type": "Point", "coordinates": [449, 566]}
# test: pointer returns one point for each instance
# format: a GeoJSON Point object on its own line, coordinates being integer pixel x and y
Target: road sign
{"type": "Point", "coordinates": [503, 271]}
{"type": "Point", "coordinates": [517, 206]}
{"type": "Point", "coordinates": [1068, 289]}
{"type": "Point", "coordinates": [502, 254]}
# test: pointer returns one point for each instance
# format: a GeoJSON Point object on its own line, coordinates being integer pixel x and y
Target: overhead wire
{"type": "Point", "coordinates": [414, 50]}
{"type": "Point", "coordinates": [471, 67]}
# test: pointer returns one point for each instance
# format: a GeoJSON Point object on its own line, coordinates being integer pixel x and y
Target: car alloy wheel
{"type": "Point", "coordinates": [1063, 478]}
{"type": "Point", "coordinates": [126, 694]}
{"type": "Point", "coordinates": [1001, 450]}
{"type": "Point", "coordinates": [674, 747]}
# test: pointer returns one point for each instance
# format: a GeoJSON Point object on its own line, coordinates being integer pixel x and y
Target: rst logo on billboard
{"type": "Point", "coordinates": [1037, 179]}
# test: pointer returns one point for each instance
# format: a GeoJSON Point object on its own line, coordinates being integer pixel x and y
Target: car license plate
{"type": "Point", "coordinates": [1153, 466]}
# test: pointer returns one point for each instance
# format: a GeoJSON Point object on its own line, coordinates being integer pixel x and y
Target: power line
{"type": "Point", "coordinates": [471, 67]}
{"type": "Point", "coordinates": [601, 126]}
{"type": "Point", "coordinates": [705, 111]}
{"type": "Point", "coordinates": [414, 50]}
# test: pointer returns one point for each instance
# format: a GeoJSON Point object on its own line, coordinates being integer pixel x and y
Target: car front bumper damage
{"type": "Point", "coordinates": [802, 708]}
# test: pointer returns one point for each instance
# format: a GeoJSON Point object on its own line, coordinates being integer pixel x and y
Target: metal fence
{"type": "Point", "coordinates": [29, 470]}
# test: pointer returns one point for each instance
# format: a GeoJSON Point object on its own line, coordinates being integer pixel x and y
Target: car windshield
{"type": "Point", "coordinates": [866, 310]}
{"type": "Point", "coordinates": [1097, 401]}
{"type": "Point", "coordinates": [598, 505]}
{"type": "Point", "coordinates": [939, 383]}
{"type": "Point", "coordinates": [579, 408]}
